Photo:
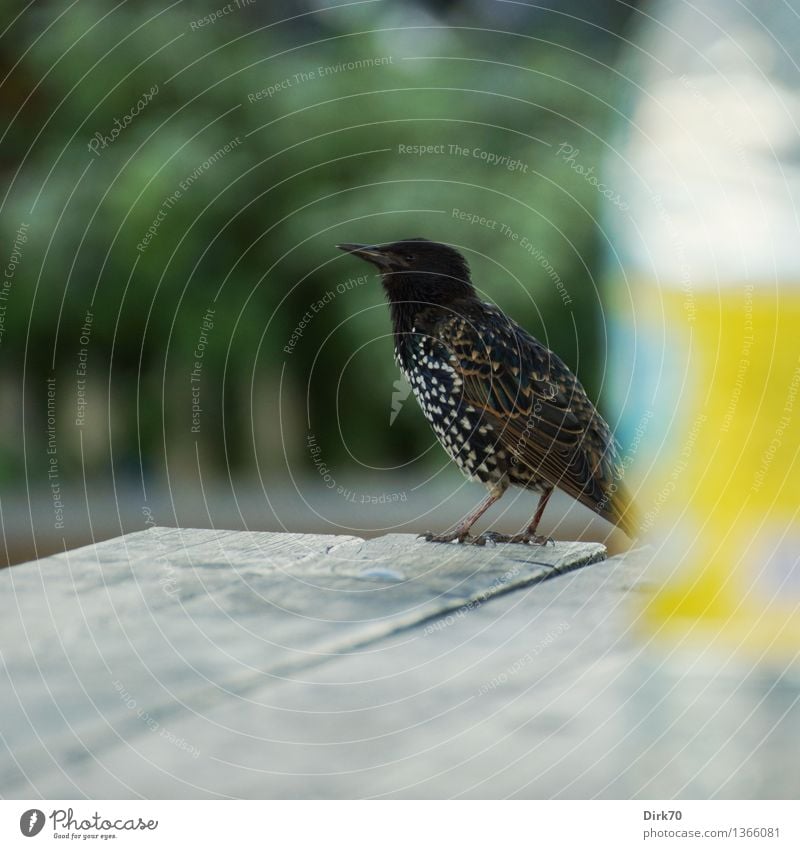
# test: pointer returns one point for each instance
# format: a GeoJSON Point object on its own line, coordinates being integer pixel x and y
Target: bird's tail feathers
{"type": "Point", "coordinates": [622, 511]}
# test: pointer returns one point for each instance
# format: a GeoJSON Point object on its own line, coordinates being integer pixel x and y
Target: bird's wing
{"type": "Point", "coordinates": [536, 405]}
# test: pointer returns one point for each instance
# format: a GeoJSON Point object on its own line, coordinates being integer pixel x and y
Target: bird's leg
{"type": "Point", "coordinates": [461, 530]}
{"type": "Point", "coordinates": [529, 535]}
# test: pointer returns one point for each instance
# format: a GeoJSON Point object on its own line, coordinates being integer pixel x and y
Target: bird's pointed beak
{"type": "Point", "coordinates": [370, 253]}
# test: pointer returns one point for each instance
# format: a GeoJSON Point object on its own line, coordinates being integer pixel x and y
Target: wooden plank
{"type": "Point", "coordinates": [130, 639]}
{"type": "Point", "coordinates": [553, 690]}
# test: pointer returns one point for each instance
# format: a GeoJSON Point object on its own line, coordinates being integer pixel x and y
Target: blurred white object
{"type": "Point", "coordinates": [705, 309]}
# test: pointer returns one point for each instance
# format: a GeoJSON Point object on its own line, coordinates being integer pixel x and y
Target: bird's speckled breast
{"type": "Point", "coordinates": [460, 428]}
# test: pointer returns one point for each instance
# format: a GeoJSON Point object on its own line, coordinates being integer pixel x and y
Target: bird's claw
{"type": "Point", "coordinates": [538, 539]}
{"type": "Point", "coordinates": [491, 537]}
{"type": "Point", "coordinates": [521, 539]}
{"type": "Point", "coordinates": [461, 538]}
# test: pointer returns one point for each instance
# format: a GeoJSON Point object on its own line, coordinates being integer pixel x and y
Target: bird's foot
{"type": "Point", "coordinates": [462, 537]}
{"type": "Point", "coordinates": [522, 539]}
{"type": "Point", "coordinates": [538, 539]}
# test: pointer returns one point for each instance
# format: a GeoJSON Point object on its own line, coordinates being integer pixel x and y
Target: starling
{"type": "Point", "coordinates": [505, 408]}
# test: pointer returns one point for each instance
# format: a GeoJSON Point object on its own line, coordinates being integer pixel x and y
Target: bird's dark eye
{"type": "Point", "coordinates": [408, 257]}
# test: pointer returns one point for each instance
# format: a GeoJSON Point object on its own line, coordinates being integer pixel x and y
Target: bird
{"type": "Point", "coordinates": [505, 408]}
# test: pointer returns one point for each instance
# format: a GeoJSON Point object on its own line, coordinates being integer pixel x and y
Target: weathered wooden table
{"type": "Point", "coordinates": [201, 663]}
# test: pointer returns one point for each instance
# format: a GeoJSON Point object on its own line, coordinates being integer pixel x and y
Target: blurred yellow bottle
{"type": "Point", "coordinates": [734, 486]}
{"type": "Point", "coordinates": [705, 308]}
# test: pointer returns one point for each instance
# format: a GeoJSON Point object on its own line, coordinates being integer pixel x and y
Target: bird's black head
{"type": "Point", "coordinates": [418, 270]}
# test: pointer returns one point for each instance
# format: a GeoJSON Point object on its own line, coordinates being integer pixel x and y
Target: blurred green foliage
{"type": "Point", "coordinates": [252, 237]}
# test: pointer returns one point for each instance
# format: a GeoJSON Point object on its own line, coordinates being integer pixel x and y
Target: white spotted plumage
{"type": "Point", "coordinates": [459, 427]}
